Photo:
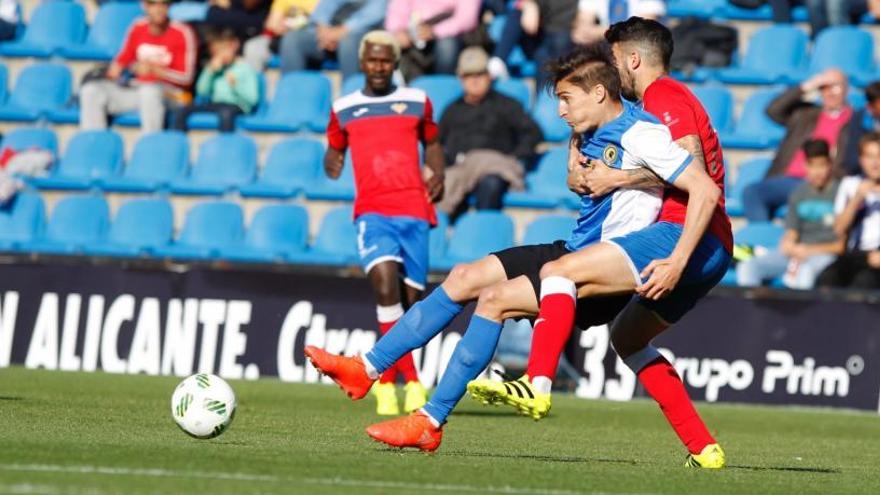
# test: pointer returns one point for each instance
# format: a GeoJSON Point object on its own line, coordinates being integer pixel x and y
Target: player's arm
{"type": "Point", "coordinates": [576, 167]}
{"type": "Point", "coordinates": [337, 142]}
{"type": "Point", "coordinates": [436, 163]}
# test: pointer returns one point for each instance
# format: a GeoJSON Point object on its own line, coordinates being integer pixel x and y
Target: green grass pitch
{"type": "Point", "coordinates": [100, 433]}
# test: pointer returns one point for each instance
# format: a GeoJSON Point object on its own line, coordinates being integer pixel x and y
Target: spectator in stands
{"type": "Point", "coordinates": [810, 243]}
{"type": "Point", "coordinates": [336, 26]}
{"type": "Point", "coordinates": [9, 18]}
{"type": "Point", "coordinates": [161, 55]}
{"type": "Point", "coordinates": [430, 33]}
{"type": "Point", "coordinates": [594, 16]}
{"type": "Point", "coordinates": [864, 120]}
{"type": "Point", "coordinates": [820, 13]}
{"type": "Point", "coordinates": [858, 221]}
{"type": "Point", "coordinates": [227, 86]}
{"type": "Point", "coordinates": [803, 120]}
{"type": "Point", "coordinates": [284, 16]}
{"type": "Point", "coordinates": [541, 27]}
{"type": "Point", "coordinates": [858, 8]}
{"type": "Point", "coordinates": [245, 17]}
{"type": "Point", "coordinates": [488, 137]}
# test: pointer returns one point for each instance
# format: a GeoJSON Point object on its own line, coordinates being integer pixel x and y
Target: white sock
{"type": "Point", "coordinates": [368, 366]}
{"type": "Point", "coordinates": [542, 384]}
{"type": "Point", "coordinates": [430, 418]}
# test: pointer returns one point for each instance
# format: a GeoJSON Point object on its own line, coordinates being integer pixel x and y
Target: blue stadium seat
{"type": "Point", "coordinates": [22, 138]}
{"type": "Point", "coordinates": [773, 53]}
{"type": "Point", "coordinates": [140, 226]}
{"type": "Point", "coordinates": [40, 89]}
{"type": "Point", "coordinates": [546, 114]}
{"type": "Point", "coordinates": [225, 162]}
{"type": "Point", "coordinates": [301, 102]}
{"type": "Point", "coordinates": [292, 165]}
{"type": "Point", "coordinates": [845, 47]}
{"type": "Point", "coordinates": [748, 173]}
{"type": "Point", "coordinates": [437, 239]}
{"type": "Point", "coordinates": [718, 102]}
{"type": "Point", "coordinates": [352, 83]}
{"type": "Point", "coordinates": [516, 89]}
{"type": "Point", "coordinates": [90, 156]}
{"type": "Point", "coordinates": [442, 90]}
{"type": "Point", "coordinates": [157, 160]}
{"type": "Point", "coordinates": [107, 32]}
{"type": "Point", "coordinates": [4, 83]}
{"type": "Point", "coordinates": [754, 129]}
{"type": "Point", "coordinates": [549, 228]}
{"type": "Point", "coordinates": [53, 25]}
{"type": "Point", "coordinates": [327, 189]}
{"type": "Point", "coordinates": [21, 220]}
{"type": "Point", "coordinates": [274, 232]}
{"type": "Point", "coordinates": [476, 235]}
{"type": "Point", "coordinates": [77, 222]}
{"type": "Point", "coordinates": [546, 187]}
{"type": "Point", "coordinates": [336, 242]}
{"type": "Point", "coordinates": [695, 8]}
{"type": "Point", "coordinates": [208, 228]}
{"type": "Point", "coordinates": [764, 234]}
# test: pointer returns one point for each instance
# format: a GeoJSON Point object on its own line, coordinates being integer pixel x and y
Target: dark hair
{"type": "Point", "coordinates": [655, 38]}
{"type": "Point", "coordinates": [816, 148]}
{"type": "Point", "coordinates": [221, 34]}
{"type": "Point", "coordinates": [871, 137]}
{"type": "Point", "coordinates": [585, 66]}
{"type": "Point", "coordinates": [872, 92]}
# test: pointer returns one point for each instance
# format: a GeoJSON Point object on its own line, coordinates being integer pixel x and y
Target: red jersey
{"type": "Point", "coordinates": [384, 134]}
{"type": "Point", "coordinates": [677, 108]}
{"type": "Point", "coordinates": [174, 50]}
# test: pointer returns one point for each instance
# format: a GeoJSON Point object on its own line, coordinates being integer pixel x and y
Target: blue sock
{"type": "Point", "coordinates": [414, 329]}
{"type": "Point", "coordinates": [472, 354]}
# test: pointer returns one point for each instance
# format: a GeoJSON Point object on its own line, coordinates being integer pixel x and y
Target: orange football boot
{"type": "Point", "coordinates": [415, 430]}
{"type": "Point", "coordinates": [348, 372]}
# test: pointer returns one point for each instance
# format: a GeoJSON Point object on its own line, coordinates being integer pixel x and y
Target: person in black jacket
{"type": "Point", "coordinates": [488, 137]}
{"type": "Point", "coordinates": [864, 120]}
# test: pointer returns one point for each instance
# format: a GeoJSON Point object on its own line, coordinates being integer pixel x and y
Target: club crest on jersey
{"type": "Point", "coordinates": [609, 155]}
{"type": "Point", "coordinates": [399, 108]}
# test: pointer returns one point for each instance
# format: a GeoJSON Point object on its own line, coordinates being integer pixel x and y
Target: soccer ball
{"type": "Point", "coordinates": [203, 405]}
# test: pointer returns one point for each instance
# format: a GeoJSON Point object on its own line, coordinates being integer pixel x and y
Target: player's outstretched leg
{"type": "Point", "coordinates": [423, 429]}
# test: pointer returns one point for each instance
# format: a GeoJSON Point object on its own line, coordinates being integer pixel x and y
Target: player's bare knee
{"type": "Point", "coordinates": [463, 282]}
{"type": "Point", "coordinates": [491, 303]}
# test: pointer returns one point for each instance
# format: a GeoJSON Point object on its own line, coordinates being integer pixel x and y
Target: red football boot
{"type": "Point", "coordinates": [348, 372]}
{"type": "Point", "coordinates": [415, 430]}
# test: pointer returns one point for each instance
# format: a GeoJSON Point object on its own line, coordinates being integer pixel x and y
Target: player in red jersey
{"type": "Point", "coordinates": [383, 125]}
{"type": "Point", "coordinates": [666, 289]}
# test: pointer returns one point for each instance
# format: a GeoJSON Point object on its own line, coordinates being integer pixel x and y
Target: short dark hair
{"type": "Point", "coordinates": [816, 148]}
{"type": "Point", "coordinates": [872, 92]}
{"type": "Point", "coordinates": [654, 37]}
{"type": "Point", "coordinates": [869, 138]}
{"type": "Point", "coordinates": [586, 66]}
{"type": "Point", "coordinates": [221, 34]}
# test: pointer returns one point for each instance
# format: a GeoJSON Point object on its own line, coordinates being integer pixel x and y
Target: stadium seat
{"type": "Point", "coordinates": [53, 25]}
{"type": "Point", "coordinates": [208, 228]}
{"type": "Point", "coordinates": [847, 48]}
{"type": "Point", "coordinates": [516, 89]}
{"type": "Point", "coordinates": [301, 102]}
{"type": "Point", "coordinates": [274, 232]}
{"type": "Point", "coordinates": [140, 226]}
{"type": "Point", "coordinates": [292, 165]}
{"type": "Point", "coordinates": [157, 160]}
{"type": "Point", "coordinates": [77, 222]}
{"type": "Point", "coordinates": [107, 32]}
{"type": "Point", "coordinates": [695, 8]}
{"type": "Point", "coordinates": [748, 173]}
{"type": "Point", "coordinates": [546, 187]}
{"type": "Point", "coordinates": [40, 89]}
{"type": "Point", "coordinates": [4, 83]}
{"type": "Point", "coordinates": [225, 162]}
{"type": "Point", "coordinates": [546, 114]}
{"type": "Point", "coordinates": [21, 220]}
{"type": "Point", "coordinates": [90, 156]}
{"type": "Point", "coordinates": [336, 242]}
{"type": "Point", "coordinates": [22, 138]}
{"type": "Point", "coordinates": [754, 129]}
{"type": "Point", "coordinates": [773, 53]}
{"type": "Point", "coordinates": [549, 228]}
{"type": "Point", "coordinates": [442, 90]}
{"type": "Point", "coordinates": [718, 102]}
{"type": "Point", "coordinates": [352, 83]}
{"type": "Point", "coordinates": [476, 234]}
{"type": "Point", "coordinates": [763, 234]}
{"type": "Point", "coordinates": [437, 239]}
{"type": "Point", "coordinates": [327, 189]}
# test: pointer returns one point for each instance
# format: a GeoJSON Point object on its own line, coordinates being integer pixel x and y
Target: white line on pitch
{"type": "Point", "coordinates": [512, 490]}
{"type": "Point", "coordinates": [121, 471]}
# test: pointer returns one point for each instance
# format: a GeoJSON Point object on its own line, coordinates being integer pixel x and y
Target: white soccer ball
{"type": "Point", "coordinates": [203, 405]}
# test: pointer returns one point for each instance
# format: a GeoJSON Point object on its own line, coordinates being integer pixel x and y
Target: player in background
{"type": "Point", "coordinates": [642, 49]}
{"type": "Point", "coordinates": [383, 126]}
{"type": "Point", "coordinates": [618, 133]}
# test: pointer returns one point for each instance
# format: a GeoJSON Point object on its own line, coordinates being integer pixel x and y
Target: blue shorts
{"type": "Point", "coordinates": [704, 270]}
{"type": "Point", "coordinates": [401, 239]}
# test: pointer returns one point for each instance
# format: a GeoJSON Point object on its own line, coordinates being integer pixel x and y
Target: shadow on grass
{"type": "Point", "coordinates": [7, 397]}
{"type": "Point", "coordinates": [791, 469]}
{"type": "Point", "coordinates": [526, 457]}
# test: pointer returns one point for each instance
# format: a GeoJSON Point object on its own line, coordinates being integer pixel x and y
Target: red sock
{"type": "Point", "coordinates": [552, 327]}
{"type": "Point", "coordinates": [664, 385]}
{"type": "Point", "coordinates": [407, 367]}
{"type": "Point", "coordinates": [390, 375]}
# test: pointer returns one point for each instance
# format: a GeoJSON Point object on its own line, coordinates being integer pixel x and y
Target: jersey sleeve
{"type": "Point", "coordinates": [336, 137]}
{"type": "Point", "coordinates": [428, 130]}
{"type": "Point", "coordinates": [674, 112]}
{"type": "Point", "coordinates": [845, 192]}
{"type": "Point", "coordinates": [651, 146]}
